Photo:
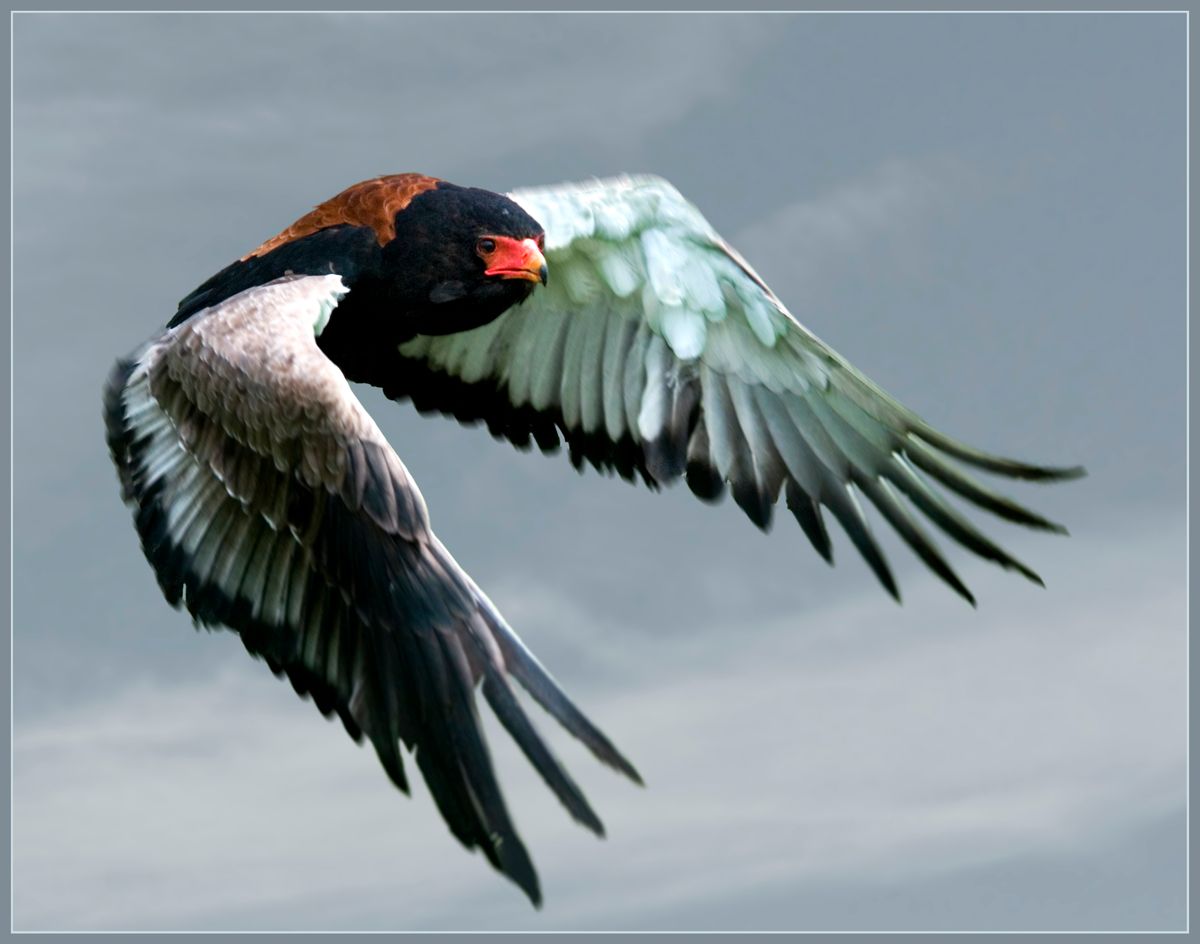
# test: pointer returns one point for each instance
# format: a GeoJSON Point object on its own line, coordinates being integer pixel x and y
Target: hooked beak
{"type": "Point", "coordinates": [517, 259]}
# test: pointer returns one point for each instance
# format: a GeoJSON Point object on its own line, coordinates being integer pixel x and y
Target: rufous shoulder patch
{"type": "Point", "coordinates": [372, 203]}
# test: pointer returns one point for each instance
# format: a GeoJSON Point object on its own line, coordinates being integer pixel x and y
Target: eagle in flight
{"type": "Point", "coordinates": [608, 316]}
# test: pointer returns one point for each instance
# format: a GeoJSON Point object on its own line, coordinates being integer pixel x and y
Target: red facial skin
{"type": "Point", "coordinates": [509, 258]}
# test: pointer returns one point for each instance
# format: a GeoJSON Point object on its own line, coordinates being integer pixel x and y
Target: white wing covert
{"type": "Point", "coordinates": [656, 351]}
{"type": "Point", "coordinates": [268, 501]}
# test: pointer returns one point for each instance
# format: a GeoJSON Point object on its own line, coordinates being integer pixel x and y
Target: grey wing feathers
{"type": "Point", "coordinates": [656, 351]}
{"type": "Point", "coordinates": [267, 501]}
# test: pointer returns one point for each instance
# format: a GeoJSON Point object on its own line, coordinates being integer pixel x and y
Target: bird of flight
{"type": "Point", "coordinates": [606, 315]}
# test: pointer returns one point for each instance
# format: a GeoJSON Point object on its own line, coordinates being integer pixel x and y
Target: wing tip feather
{"type": "Point", "coordinates": [1000, 465]}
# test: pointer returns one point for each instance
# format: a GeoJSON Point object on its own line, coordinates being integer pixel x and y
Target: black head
{"type": "Point", "coordinates": [461, 257]}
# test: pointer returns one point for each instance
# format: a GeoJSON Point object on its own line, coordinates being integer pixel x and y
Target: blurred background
{"type": "Point", "coordinates": [986, 214]}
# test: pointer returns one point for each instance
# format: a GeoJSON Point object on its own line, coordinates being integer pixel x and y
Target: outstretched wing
{"type": "Point", "coordinates": [656, 350]}
{"type": "Point", "coordinates": [268, 501]}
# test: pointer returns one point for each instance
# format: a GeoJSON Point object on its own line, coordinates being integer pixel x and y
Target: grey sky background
{"type": "Point", "coordinates": [984, 213]}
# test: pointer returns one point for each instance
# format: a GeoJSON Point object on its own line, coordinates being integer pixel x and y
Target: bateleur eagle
{"type": "Point", "coordinates": [608, 315]}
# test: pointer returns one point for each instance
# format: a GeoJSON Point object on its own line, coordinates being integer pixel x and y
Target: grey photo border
{"type": "Point", "coordinates": [878, 9]}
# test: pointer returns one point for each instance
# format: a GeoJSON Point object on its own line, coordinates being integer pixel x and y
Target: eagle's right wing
{"type": "Point", "coordinates": [268, 501]}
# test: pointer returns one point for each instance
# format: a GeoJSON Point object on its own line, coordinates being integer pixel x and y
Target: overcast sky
{"type": "Point", "coordinates": [984, 213]}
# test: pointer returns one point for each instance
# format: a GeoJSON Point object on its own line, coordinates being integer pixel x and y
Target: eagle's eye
{"type": "Point", "coordinates": [485, 246]}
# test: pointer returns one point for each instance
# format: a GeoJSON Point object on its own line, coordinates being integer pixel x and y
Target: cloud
{"type": "Point", "coordinates": [447, 94]}
{"type": "Point", "coordinates": [867, 743]}
{"type": "Point", "coordinates": [836, 231]}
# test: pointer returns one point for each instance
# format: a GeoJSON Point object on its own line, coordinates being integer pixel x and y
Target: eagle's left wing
{"type": "Point", "coordinates": [658, 352]}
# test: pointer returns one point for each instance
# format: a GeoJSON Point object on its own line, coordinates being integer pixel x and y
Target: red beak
{"type": "Point", "coordinates": [517, 259]}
